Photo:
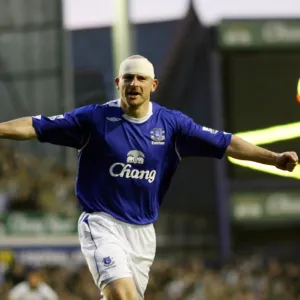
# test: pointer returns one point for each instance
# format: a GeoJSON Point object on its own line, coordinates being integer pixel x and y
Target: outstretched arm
{"type": "Point", "coordinates": [241, 149]}
{"type": "Point", "coordinates": [71, 129]}
{"type": "Point", "coordinates": [197, 140]}
{"type": "Point", "coordinates": [18, 129]}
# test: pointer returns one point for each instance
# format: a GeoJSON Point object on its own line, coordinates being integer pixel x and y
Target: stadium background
{"type": "Point", "coordinates": [224, 232]}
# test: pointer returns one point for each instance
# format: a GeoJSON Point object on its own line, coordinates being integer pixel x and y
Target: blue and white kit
{"type": "Point", "coordinates": [125, 169]}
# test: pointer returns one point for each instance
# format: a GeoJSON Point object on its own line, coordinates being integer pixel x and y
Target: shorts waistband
{"type": "Point", "coordinates": [115, 220]}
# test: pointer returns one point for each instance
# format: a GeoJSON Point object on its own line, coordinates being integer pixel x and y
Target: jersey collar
{"type": "Point", "coordinates": [139, 120]}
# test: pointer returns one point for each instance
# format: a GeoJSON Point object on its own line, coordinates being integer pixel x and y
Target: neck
{"type": "Point", "coordinates": [135, 112]}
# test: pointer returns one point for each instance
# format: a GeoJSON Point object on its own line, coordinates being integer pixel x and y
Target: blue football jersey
{"type": "Point", "coordinates": [126, 164]}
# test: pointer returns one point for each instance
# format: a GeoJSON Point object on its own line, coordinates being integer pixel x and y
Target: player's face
{"type": "Point", "coordinates": [135, 89]}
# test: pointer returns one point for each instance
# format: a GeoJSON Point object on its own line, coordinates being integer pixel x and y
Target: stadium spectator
{"type": "Point", "coordinates": [33, 288]}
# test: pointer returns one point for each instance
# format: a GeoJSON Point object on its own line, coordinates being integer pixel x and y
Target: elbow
{"type": "Point", "coordinates": [231, 151]}
{"type": "Point", "coordinates": [235, 149]}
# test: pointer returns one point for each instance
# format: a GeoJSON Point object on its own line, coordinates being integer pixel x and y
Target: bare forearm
{"type": "Point", "coordinates": [243, 150]}
{"type": "Point", "coordinates": [18, 129]}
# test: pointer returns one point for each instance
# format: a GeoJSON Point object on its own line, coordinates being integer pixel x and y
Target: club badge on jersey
{"type": "Point", "coordinates": [158, 136]}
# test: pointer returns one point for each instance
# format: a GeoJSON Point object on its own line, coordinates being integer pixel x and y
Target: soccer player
{"type": "Point", "coordinates": [128, 152]}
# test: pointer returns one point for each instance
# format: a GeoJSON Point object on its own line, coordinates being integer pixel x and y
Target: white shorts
{"type": "Point", "coordinates": [114, 249]}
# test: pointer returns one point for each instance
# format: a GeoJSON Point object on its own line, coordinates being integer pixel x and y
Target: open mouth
{"type": "Point", "coordinates": [133, 94]}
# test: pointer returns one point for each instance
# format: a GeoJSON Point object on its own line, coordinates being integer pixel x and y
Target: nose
{"type": "Point", "coordinates": [134, 81]}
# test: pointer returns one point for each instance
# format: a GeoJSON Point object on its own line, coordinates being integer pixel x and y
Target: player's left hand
{"type": "Point", "coordinates": [287, 161]}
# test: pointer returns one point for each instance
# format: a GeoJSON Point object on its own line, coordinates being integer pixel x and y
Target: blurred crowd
{"type": "Point", "coordinates": [179, 279]}
{"type": "Point", "coordinates": [243, 279]}
{"type": "Point", "coordinates": [31, 183]}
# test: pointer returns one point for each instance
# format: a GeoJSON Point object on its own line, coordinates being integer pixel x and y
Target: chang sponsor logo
{"type": "Point", "coordinates": [122, 170]}
{"type": "Point", "coordinates": [135, 157]}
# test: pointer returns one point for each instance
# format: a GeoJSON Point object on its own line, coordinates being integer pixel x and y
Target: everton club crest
{"type": "Point", "coordinates": [157, 136]}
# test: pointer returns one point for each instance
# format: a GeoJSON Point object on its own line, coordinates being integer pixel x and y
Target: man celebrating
{"type": "Point", "coordinates": [129, 150]}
